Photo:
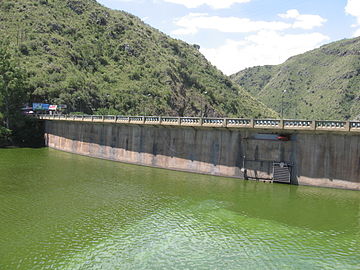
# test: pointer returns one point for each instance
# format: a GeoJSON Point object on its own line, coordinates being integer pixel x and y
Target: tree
{"type": "Point", "coordinates": [4, 136]}
{"type": "Point", "coordinates": [13, 82]}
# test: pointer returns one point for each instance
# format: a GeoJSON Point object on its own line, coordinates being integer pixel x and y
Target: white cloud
{"type": "Point", "coordinates": [263, 48]}
{"type": "Point", "coordinates": [193, 22]}
{"type": "Point", "coordinates": [353, 8]}
{"type": "Point", "coordinates": [356, 33]}
{"type": "Point", "coordinates": [216, 4]}
{"type": "Point", "coordinates": [303, 21]}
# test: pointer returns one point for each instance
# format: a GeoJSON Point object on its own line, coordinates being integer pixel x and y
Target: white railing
{"type": "Point", "coordinates": [325, 125]}
{"type": "Point", "coordinates": [189, 121]}
{"type": "Point", "coordinates": [267, 123]}
{"type": "Point", "coordinates": [297, 123]}
{"type": "Point", "coordinates": [170, 120]}
{"type": "Point", "coordinates": [236, 122]}
{"type": "Point", "coordinates": [214, 122]}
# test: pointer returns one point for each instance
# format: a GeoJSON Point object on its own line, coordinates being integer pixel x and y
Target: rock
{"type": "Point", "coordinates": [77, 6]}
{"type": "Point", "coordinates": [99, 17]}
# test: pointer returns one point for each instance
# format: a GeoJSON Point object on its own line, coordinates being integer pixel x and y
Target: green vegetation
{"type": "Point", "coordinates": [5, 134]}
{"type": "Point", "coordinates": [15, 128]}
{"type": "Point", "coordinates": [12, 88]}
{"type": "Point", "coordinates": [97, 60]}
{"type": "Point", "coordinates": [320, 84]}
{"type": "Point", "coordinates": [12, 93]}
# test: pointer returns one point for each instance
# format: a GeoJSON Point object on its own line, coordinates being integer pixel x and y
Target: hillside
{"type": "Point", "coordinates": [320, 84]}
{"type": "Point", "coordinates": [94, 59]}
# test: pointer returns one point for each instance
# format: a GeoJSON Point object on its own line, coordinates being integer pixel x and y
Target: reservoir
{"type": "Point", "coordinates": [65, 211]}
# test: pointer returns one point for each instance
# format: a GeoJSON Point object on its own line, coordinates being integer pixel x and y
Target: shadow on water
{"type": "Point", "coordinates": [305, 207]}
{"type": "Point", "coordinates": [302, 206]}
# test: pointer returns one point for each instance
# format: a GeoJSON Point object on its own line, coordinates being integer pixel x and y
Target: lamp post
{"type": "Point", "coordinates": [79, 100]}
{"type": "Point", "coordinates": [202, 105]}
{"type": "Point", "coordinates": [108, 103]}
{"type": "Point", "coordinates": [147, 95]}
{"type": "Point", "coordinates": [282, 104]}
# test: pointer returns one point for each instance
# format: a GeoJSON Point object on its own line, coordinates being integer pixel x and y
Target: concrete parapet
{"type": "Point", "coordinates": [269, 124]}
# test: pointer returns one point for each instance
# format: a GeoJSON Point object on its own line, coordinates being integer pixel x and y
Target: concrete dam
{"type": "Point", "coordinates": [318, 153]}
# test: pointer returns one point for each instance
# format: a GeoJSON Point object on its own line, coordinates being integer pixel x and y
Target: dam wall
{"type": "Point", "coordinates": [318, 158]}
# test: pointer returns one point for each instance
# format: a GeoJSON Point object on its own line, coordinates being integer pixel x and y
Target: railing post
{"type": "Point", "coordinates": [314, 123]}
{"type": "Point", "coordinates": [351, 126]}
{"type": "Point", "coordinates": [281, 124]}
{"type": "Point", "coordinates": [347, 126]}
{"type": "Point", "coordinates": [201, 121]}
{"type": "Point", "coordinates": [179, 121]}
{"type": "Point", "coordinates": [224, 123]}
{"type": "Point", "coordinates": [252, 123]}
{"type": "Point", "coordinates": [160, 120]}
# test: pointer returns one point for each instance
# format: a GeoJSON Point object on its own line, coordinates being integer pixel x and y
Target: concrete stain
{"type": "Point", "coordinates": [322, 159]}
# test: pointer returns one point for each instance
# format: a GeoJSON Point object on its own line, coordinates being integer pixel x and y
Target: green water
{"type": "Point", "coordinates": [64, 211]}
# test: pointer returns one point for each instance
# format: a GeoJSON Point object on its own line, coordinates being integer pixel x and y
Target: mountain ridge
{"type": "Point", "coordinates": [323, 83]}
{"type": "Point", "coordinates": [98, 60]}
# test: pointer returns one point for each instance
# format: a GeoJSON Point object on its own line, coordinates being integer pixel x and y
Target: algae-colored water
{"type": "Point", "coordinates": [64, 211]}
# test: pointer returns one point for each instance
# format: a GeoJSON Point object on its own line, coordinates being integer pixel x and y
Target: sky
{"type": "Point", "coordinates": [236, 34]}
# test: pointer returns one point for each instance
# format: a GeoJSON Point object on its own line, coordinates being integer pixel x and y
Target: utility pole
{"type": "Point", "coordinates": [282, 104]}
{"type": "Point", "coordinates": [147, 95]}
{"type": "Point", "coordinates": [202, 109]}
{"type": "Point", "coordinates": [7, 121]}
{"type": "Point", "coordinates": [79, 101]}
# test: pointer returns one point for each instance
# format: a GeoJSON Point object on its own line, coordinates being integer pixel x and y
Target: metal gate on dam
{"type": "Point", "coordinates": [300, 152]}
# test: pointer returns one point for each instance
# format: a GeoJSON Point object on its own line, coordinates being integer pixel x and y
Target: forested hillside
{"type": "Point", "coordinates": [97, 60]}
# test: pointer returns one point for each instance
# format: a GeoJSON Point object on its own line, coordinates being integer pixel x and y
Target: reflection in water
{"type": "Point", "coordinates": [71, 212]}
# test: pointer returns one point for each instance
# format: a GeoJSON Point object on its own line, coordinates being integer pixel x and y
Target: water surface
{"type": "Point", "coordinates": [64, 211]}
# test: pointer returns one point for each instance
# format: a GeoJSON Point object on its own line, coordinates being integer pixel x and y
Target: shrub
{"type": "Point", "coordinates": [4, 136]}
{"type": "Point", "coordinates": [24, 49]}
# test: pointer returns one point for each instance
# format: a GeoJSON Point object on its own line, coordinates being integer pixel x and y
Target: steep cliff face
{"type": "Point", "coordinates": [321, 84]}
{"type": "Point", "coordinates": [92, 58]}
